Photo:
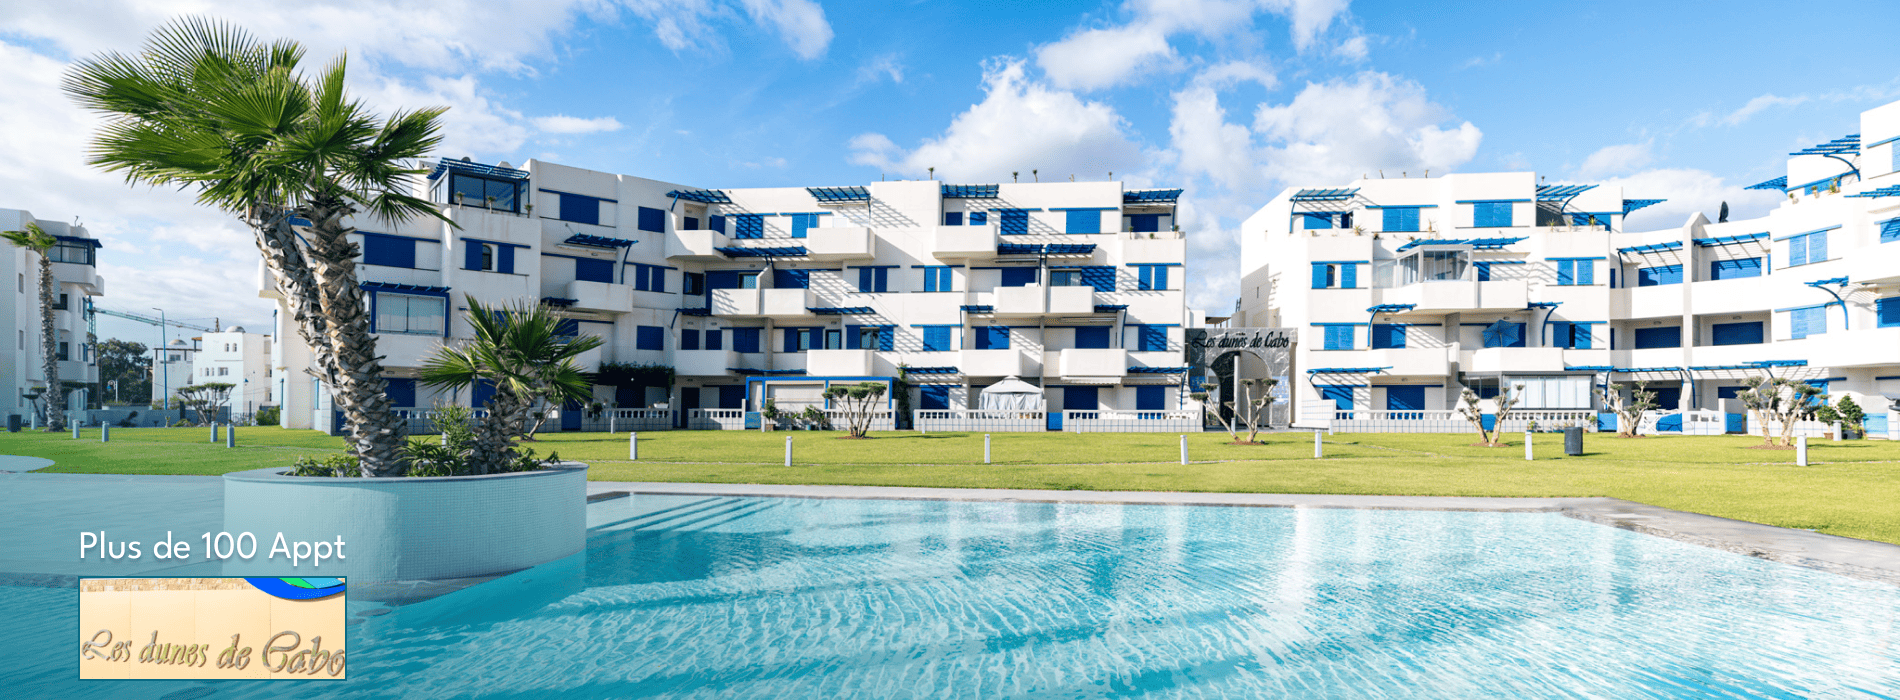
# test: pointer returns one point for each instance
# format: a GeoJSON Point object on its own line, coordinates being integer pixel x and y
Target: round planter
{"type": "Point", "coordinates": [405, 529]}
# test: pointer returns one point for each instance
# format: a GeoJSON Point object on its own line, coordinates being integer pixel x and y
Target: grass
{"type": "Point", "coordinates": [1848, 489]}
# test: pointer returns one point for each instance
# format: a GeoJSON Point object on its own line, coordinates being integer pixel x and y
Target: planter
{"type": "Point", "coordinates": [408, 529]}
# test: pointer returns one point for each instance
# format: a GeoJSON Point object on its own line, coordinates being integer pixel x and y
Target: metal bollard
{"type": "Point", "coordinates": [105, 432]}
{"type": "Point", "coordinates": [445, 439]}
{"type": "Point", "coordinates": [986, 448]}
{"type": "Point", "coordinates": [613, 424]}
{"type": "Point", "coordinates": [788, 450]}
{"type": "Point", "coordinates": [1801, 451]}
{"type": "Point", "coordinates": [633, 446]}
{"type": "Point", "coordinates": [1527, 445]}
{"type": "Point", "coordinates": [75, 430]}
{"type": "Point", "coordinates": [214, 432]}
{"type": "Point", "coordinates": [230, 435]}
{"type": "Point", "coordinates": [1837, 431]}
{"type": "Point", "coordinates": [1184, 449]}
{"type": "Point", "coordinates": [1319, 452]}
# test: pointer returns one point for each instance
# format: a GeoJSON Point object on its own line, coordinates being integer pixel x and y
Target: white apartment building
{"type": "Point", "coordinates": [173, 369]}
{"type": "Point", "coordinates": [76, 276]}
{"type": "Point", "coordinates": [775, 293]}
{"type": "Point", "coordinates": [1407, 291]}
{"type": "Point", "coordinates": [237, 357]}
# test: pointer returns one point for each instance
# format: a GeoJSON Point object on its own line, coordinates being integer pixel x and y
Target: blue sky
{"type": "Point", "coordinates": [1232, 99]}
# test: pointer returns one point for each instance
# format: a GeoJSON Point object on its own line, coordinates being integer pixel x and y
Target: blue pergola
{"type": "Point", "coordinates": [1630, 205]}
{"type": "Point", "coordinates": [840, 195]}
{"type": "Point", "coordinates": [1780, 184]}
{"type": "Point", "coordinates": [1337, 194]}
{"type": "Point", "coordinates": [1476, 243]}
{"type": "Point", "coordinates": [473, 168]}
{"type": "Point", "coordinates": [1888, 191]}
{"type": "Point", "coordinates": [1151, 196]}
{"type": "Point", "coordinates": [1729, 240]}
{"type": "Point", "coordinates": [970, 191]}
{"type": "Point", "coordinates": [701, 196]}
{"type": "Point", "coordinates": [763, 252]}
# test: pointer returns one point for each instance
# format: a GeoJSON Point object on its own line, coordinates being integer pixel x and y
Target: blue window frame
{"type": "Point", "coordinates": [649, 338]}
{"type": "Point", "coordinates": [937, 339]}
{"type": "Point", "coordinates": [1317, 221]}
{"type": "Point", "coordinates": [874, 279]}
{"type": "Point", "coordinates": [745, 339]}
{"type": "Point", "coordinates": [689, 339]}
{"type": "Point", "coordinates": [1567, 334]}
{"type": "Point", "coordinates": [1151, 398]}
{"type": "Point", "coordinates": [401, 392]}
{"type": "Point", "coordinates": [1015, 222]}
{"type": "Point", "coordinates": [1887, 312]}
{"type": "Point", "coordinates": [791, 279]}
{"type": "Point", "coordinates": [715, 340]}
{"type": "Point", "coordinates": [589, 270]}
{"type": "Point", "coordinates": [1659, 275]}
{"type": "Point", "coordinates": [1495, 214]}
{"type": "Point", "coordinates": [992, 337]}
{"type": "Point", "coordinates": [937, 278]}
{"type": "Point", "coordinates": [1388, 336]}
{"type": "Point", "coordinates": [1018, 276]}
{"type": "Point", "coordinates": [1144, 223]}
{"type": "Point", "coordinates": [478, 191]}
{"type": "Point", "coordinates": [1401, 218]}
{"type": "Point", "coordinates": [979, 218]}
{"type": "Point", "coordinates": [1807, 248]}
{"type": "Point", "coordinates": [1083, 221]}
{"type": "Point", "coordinates": [650, 219]}
{"type": "Point", "coordinates": [1338, 336]}
{"type": "Point", "coordinates": [1744, 333]}
{"type": "Point", "coordinates": [649, 278]}
{"type": "Point", "coordinates": [1806, 322]}
{"type": "Point", "coordinates": [1670, 337]}
{"type": "Point", "coordinates": [953, 218]}
{"type": "Point", "coordinates": [1151, 277]}
{"type": "Point", "coordinates": [578, 209]}
{"type": "Point", "coordinates": [388, 251]}
{"type": "Point", "coordinates": [716, 223]}
{"type": "Point", "coordinates": [749, 226]}
{"type": "Point", "coordinates": [802, 223]}
{"type": "Point", "coordinates": [933, 398]}
{"type": "Point", "coordinates": [1094, 338]}
{"type": "Point", "coordinates": [1735, 269]}
{"type": "Point", "coordinates": [1151, 338]}
{"type": "Point", "coordinates": [1572, 271]}
{"type": "Point", "coordinates": [408, 314]}
{"type": "Point", "coordinates": [1341, 396]}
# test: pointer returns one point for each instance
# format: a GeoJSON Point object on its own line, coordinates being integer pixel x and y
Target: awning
{"type": "Point", "coordinates": [701, 196]}
{"type": "Point", "coordinates": [840, 195]}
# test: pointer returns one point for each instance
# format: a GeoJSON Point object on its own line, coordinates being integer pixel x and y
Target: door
{"type": "Point", "coordinates": [571, 415]}
{"type": "Point", "coordinates": [1075, 398]}
{"type": "Point", "coordinates": [1405, 398]}
{"type": "Point", "coordinates": [689, 400]}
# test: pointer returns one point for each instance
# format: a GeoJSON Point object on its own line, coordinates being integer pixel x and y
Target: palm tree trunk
{"type": "Point", "coordinates": [49, 347]}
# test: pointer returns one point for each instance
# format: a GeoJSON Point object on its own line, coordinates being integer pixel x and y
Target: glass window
{"type": "Point", "coordinates": [1065, 278]}
{"type": "Point", "coordinates": [67, 252]}
{"type": "Point", "coordinates": [749, 280]}
{"type": "Point", "coordinates": [413, 315]}
{"type": "Point", "coordinates": [695, 283]}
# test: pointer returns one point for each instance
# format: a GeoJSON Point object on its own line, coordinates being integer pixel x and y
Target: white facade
{"type": "Point", "coordinates": [754, 294]}
{"type": "Point", "coordinates": [1433, 285]}
{"type": "Point", "coordinates": [76, 276]}
{"type": "Point", "coordinates": [240, 358]}
{"type": "Point", "coordinates": [173, 369]}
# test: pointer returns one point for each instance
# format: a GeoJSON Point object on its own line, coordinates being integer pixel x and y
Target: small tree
{"type": "Point", "coordinates": [1851, 414]}
{"type": "Point", "coordinates": [205, 399]}
{"type": "Point", "coordinates": [1629, 412]}
{"type": "Point", "coordinates": [858, 402]}
{"type": "Point", "coordinates": [1782, 400]}
{"type": "Point", "coordinates": [1473, 410]}
{"type": "Point", "coordinates": [519, 350]}
{"type": "Point", "coordinates": [1254, 407]}
{"type": "Point", "coordinates": [1213, 409]}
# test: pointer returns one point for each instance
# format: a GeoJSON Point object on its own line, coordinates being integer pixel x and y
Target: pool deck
{"type": "Point", "coordinates": [1862, 559]}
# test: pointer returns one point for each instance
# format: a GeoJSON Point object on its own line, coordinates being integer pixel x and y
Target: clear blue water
{"type": "Point", "coordinates": [695, 597]}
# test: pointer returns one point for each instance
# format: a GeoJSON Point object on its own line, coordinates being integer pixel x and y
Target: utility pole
{"type": "Point", "coordinates": [157, 355]}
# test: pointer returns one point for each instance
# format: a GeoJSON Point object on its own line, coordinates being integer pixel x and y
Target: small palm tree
{"type": "Point", "coordinates": [39, 241]}
{"type": "Point", "coordinates": [205, 105]}
{"type": "Point", "coordinates": [520, 350]}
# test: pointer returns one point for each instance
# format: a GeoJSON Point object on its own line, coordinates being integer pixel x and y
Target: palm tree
{"type": "Point", "coordinates": [205, 105]}
{"type": "Point", "coordinates": [519, 350]}
{"type": "Point", "coordinates": [39, 241]}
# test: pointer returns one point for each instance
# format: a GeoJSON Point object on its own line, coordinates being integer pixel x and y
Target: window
{"type": "Point", "coordinates": [1144, 223]}
{"type": "Point", "coordinates": [653, 220]}
{"type": "Point", "coordinates": [649, 338]}
{"type": "Point", "coordinates": [1317, 221]}
{"type": "Point", "coordinates": [1745, 333]}
{"type": "Point", "coordinates": [1890, 229]}
{"type": "Point", "coordinates": [689, 339]}
{"type": "Point", "coordinates": [1083, 221]}
{"type": "Point", "coordinates": [1015, 222]}
{"type": "Point", "coordinates": [716, 223]}
{"type": "Point", "coordinates": [1807, 248]}
{"type": "Point", "coordinates": [222, 371]}
{"type": "Point", "coordinates": [937, 279]}
{"type": "Point", "coordinates": [1341, 396]}
{"type": "Point", "coordinates": [868, 337]}
{"type": "Point", "coordinates": [590, 270]}
{"type": "Point", "coordinates": [715, 339]}
{"type": "Point", "coordinates": [695, 283]}
{"type": "Point", "coordinates": [803, 339]}
{"type": "Point", "coordinates": [388, 251]}
{"type": "Point", "coordinates": [749, 226]}
{"type": "Point", "coordinates": [1548, 392]}
{"type": "Point", "coordinates": [1566, 334]}
{"type": "Point", "coordinates": [1401, 218]}
{"type": "Point", "coordinates": [1485, 214]}
{"type": "Point", "coordinates": [407, 314]}
{"type": "Point", "coordinates": [979, 218]}
{"type": "Point", "coordinates": [1101, 277]}
{"type": "Point", "coordinates": [568, 329]}
{"type": "Point", "coordinates": [1432, 266]}
{"type": "Point", "coordinates": [1670, 337]}
{"type": "Point", "coordinates": [1018, 276]}
{"type": "Point", "coordinates": [1338, 336]}
{"type": "Point", "coordinates": [1660, 275]}
{"type": "Point", "coordinates": [1330, 275]}
{"type": "Point", "coordinates": [1388, 336]}
{"type": "Point", "coordinates": [1065, 278]}
{"type": "Point", "coordinates": [791, 279]}
{"type": "Point", "coordinates": [689, 223]}
{"type": "Point", "coordinates": [1806, 322]}
{"type": "Point", "coordinates": [1151, 277]}
{"type": "Point", "coordinates": [649, 278]}
{"type": "Point", "coordinates": [1151, 398]}
{"type": "Point", "coordinates": [1576, 272]}
{"type": "Point", "coordinates": [63, 302]}
{"type": "Point", "coordinates": [488, 193]}
{"type": "Point", "coordinates": [745, 339]}
{"type": "Point", "coordinates": [748, 280]}
{"type": "Point", "coordinates": [996, 337]}
{"type": "Point", "coordinates": [1093, 338]}
{"type": "Point", "coordinates": [936, 339]}
{"type": "Point", "coordinates": [1735, 269]}
{"type": "Point", "coordinates": [65, 351]}
{"type": "Point", "coordinates": [953, 218]}
{"type": "Point", "coordinates": [933, 398]}
{"type": "Point", "coordinates": [874, 279]}
{"type": "Point", "coordinates": [1151, 338]}
{"type": "Point", "coordinates": [1887, 312]}
{"type": "Point", "coordinates": [802, 223]}
{"type": "Point", "coordinates": [578, 209]}
{"type": "Point", "coordinates": [488, 257]}
{"type": "Point", "coordinates": [70, 252]}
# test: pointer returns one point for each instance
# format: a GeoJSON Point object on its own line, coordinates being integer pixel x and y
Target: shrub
{"type": "Point", "coordinates": [268, 415]}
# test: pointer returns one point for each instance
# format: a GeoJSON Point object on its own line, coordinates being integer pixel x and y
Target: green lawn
{"type": "Point", "coordinates": [1849, 490]}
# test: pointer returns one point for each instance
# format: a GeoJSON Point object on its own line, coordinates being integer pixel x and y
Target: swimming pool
{"type": "Point", "coordinates": [681, 596]}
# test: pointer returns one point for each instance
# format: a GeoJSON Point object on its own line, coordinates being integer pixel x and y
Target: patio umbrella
{"type": "Point", "coordinates": [1502, 334]}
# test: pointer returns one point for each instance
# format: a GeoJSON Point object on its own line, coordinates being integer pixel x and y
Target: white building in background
{"type": "Point", "coordinates": [774, 293]}
{"type": "Point", "coordinates": [76, 276]}
{"type": "Point", "coordinates": [237, 357]}
{"type": "Point", "coordinates": [174, 369]}
{"type": "Point", "coordinates": [1408, 291]}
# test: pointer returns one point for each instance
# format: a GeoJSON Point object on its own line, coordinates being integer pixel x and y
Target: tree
{"type": "Point", "coordinates": [1851, 414]}
{"type": "Point", "coordinates": [1473, 410]}
{"type": "Point", "coordinates": [1629, 412]}
{"type": "Point", "coordinates": [519, 350]}
{"type": "Point", "coordinates": [205, 105]}
{"type": "Point", "coordinates": [1208, 390]}
{"type": "Point", "coordinates": [39, 241]}
{"type": "Point", "coordinates": [1783, 401]}
{"type": "Point", "coordinates": [1250, 407]}
{"type": "Point", "coordinates": [205, 399]}
{"type": "Point", "coordinates": [124, 365]}
{"type": "Point", "coordinates": [858, 402]}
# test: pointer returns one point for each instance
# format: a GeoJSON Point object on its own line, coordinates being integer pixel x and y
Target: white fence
{"type": "Point", "coordinates": [880, 420]}
{"type": "Point", "coordinates": [621, 420]}
{"type": "Point", "coordinates": [1804, 428]}
{"type": "Point", "coordinates": [977, 420]}
{"type": "Point", "coordinates": [1131, 421]}
{"type": "Point", "coordinates": [1442, 421]}
{"type": "Point", "coordinates": [715, 418]}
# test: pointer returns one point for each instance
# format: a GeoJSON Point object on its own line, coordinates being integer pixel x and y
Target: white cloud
{"type": "Point", "coordinates": [1687, 192]}
{"type": "Point", "coordinates": [1353, 49]}
{"type": "Point", "coordinates": [1758, 104]}
{"type": "Point", "coordinates": [1099, 58]}
{"type": "Point", "coordinates": [1342, 129]}
{"type": "Point", "coordinates": [563, 124]}
{"type": "Point", "coordinates": [686, 24]}
{"type": "Point", "coordinates": [1613, 160]}
{"type": "Point", "coordinates": [1103, 57]}
{"type": "Point", "coordinates": [800, 22]}
{"type": "Point", "coordinates": [881, 67]}
{"type": "Point", "coordinates": [1482, 61]}
{"type": "Point", "coordinates": [1020, 125]}
{"type": "Point", "coordinates": [1310, 17]}
{"type": "Point", "coordinates": [473, 125]}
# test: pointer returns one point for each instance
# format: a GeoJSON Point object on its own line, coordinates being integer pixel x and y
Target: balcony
{"type": "Point", "coordinates": [1444, 296]}
{"type": "Point", "coordinates": [1856, 348]}
{"type": "Point", "coordinates": [791, 302]}
{"type": "Point", "coordinates": [1410, 362]}
{"type": "Point", "coordinates": [840, 243]}
{"type": "Point", "coordinates": [1071, 300]}
{"type": "Point", "coordinates": [697, 245]}
{"type": "Point", "coordinates": [1508, 360]}
{"type": "Point", "coordinates": [703, 363]}
{"type": "Point", "coordinates": [1094, 363]}
{"type": "Point", "coordinates": [600, 296]}
{"type": "Point", "coordinates": [990, 363]}
{"type": "Point", "coordinates": [1165, 247]}
{"type": "Point", "coordinates": [964, 242]}
{"type": "Point", "coordinates": [838, 363]}
{"type": "Point", "coordinates": [735, 302]}
{"type": "Point", "coordinates": [1019, 301]}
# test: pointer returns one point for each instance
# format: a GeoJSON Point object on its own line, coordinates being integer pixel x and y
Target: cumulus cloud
{"type": "Point", "coordinates": [1099, 58]}
{"type": "Point", "coordinates": [1340, 129]}
{"type": "Point", "coordinates": [563, 124]}
{"type": "Point", "coordinates": [1106, 56]}
{"type": "Point", "coordinates": [685, 24]}
{"type": "Point", "coordinates": [1689, 191]}
{"type": "Point", "coordinates": [1020, 125]}
{"type": "Point", "coordinates": [1614, 160]}
{"type": "Point", "coordinates": [800, 22]}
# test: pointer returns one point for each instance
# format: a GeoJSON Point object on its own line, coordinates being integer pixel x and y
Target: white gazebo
{"type": "Point", "coordinates": [1012, 394]}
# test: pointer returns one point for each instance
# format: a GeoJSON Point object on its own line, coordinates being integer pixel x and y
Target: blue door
{"type": "Point", "coordinates": [1075, 398]}
{"type": "Point", "coordinates": [571, 415]}
{"type": "Point", "coordinates": [689, 399]}
{"type": "Point", "coordinates": [1405, 398]}
{"type": "Point", "coordinates": [1668, 398]}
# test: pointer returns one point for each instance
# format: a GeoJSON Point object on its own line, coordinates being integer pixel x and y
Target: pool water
{"type": "Point", "coordinates": [699, 597]}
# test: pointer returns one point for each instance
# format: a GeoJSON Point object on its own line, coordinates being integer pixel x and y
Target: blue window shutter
{"type": "Point", "coordinates": [865, 280]}
{"type": "Point", "coordinates": [979, 218]}
{"type": "Point", "coordinates": [1145, 277]}
{"type": "Point", "coordinates": [1092, 338]}
{"type": "Point", "coordinates": [1484, 271]}
{"type": "Point", "coordinates": [388, 251]}
{"type": "Point", "coordinates": [692, 222]}
{"type": "Point", "coordinates": [802, 223]}
{"type": "Point", "coordinates": [1887, 311]}
{"type": "Point", "coordinates": [580, 210]}
{"type": "Point", "coordinates": [649, 338]}
{"type": "Point", "coordinates": [1746, 333]}
{"type": "Point", "coordinates": [689, 339]}
{"type": "Point", "coordinates": [936, 339]}
{"type": "Point", "coordinates": [401, 392]}
{"type": "Point", "coordinates": [1797, 251]}
{"type": "Point", "coordinates": [953, 218]}
{"type": "Point", "coordinates": [1322, 275]}
{"type": "Point", "coordinates": [1586, 272]}
{"type": "Point", "coordinates": [1151, 398]}
{"type": "Point", "coordinates": [722, 279]}
{"type": "Point", "coordinates": [1405, 398]}
{"type": "Point", "coordinates": [1341, 396]}
{"type": "Point", "coordinates": [1560, 334]}
{"type": "Point", "coordinates": [791, 279]}
{"type": "Point", "coordinates": [790, 343]}
{"type": "Point", "coordinates": [732, 396]}
{"type": "Point", "coordinates": [1395, 219]}
{"type": "Point", "coordinates": [1318, 221]}
{"type": "Point", "coordinates": [505, 259]}
{"type": "Point", "coordinates": [1018, 276]}
{"type": "Point", "coordinates": [1101, 277]}
{"type": "Point", "coordinates": [1338, 336]}
{"type": "Point", "coordinates": [716, 223]}
{"type": "Point", "coordinates": [1015, 223]}
{"type": "Point", "coordinates": [1348, 276]}
{"type": "Point", "coordinates": [1388, 336]}
{"type": "Point", "coordinates": [1161, 277]}
{"type": "Point", "coordinates": [715, 340]}
{"type": "Point", "coordinates": [1145, 223]}
{"type": "Point", "coordinates": [1670, 337]}
{"type": "Point", "coordinates": [472, 254]}
{"type": "Point", "coordinates": [1890, 229]}
{"type": "Point", "coordinates": [1580, 336]}
{"type": "Point", "coordinates": [750, 226]}
{"type": "Point", "coordinates": [1817, 247]}
{"type": "Point", "coordinates": [1564, 272]}
{"type": "Point", "coordinates": [1153, 339]}
{"type": "Point", "coordinates": [880, 279]}
{"type": "Point", "coordinates": [652, 220]}
{"type": "Point", "coordinates": [933, 398]}
{"type": "Point", "coordinates": [656, 278]}
{"type": "Point", "coordinates": [851, 339]}
{"type": "Point", "coordinates": [1735, 269]}
{"type": "Point", "coordinates": [886, 337]}
{"type": "Point", "coordinates": [1084, 221]}
{"type": "Point", "coordinates": [745, 339]}
{"type": "Point", "coordinates": [594, 270]}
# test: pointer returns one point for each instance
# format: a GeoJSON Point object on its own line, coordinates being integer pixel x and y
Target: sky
{"type": "Point", "coordinates": [1233, 100]}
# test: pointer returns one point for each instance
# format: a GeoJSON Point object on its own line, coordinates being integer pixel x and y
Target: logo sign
{"type": "Point", "coordinates": [1204, 345]}
{"type": "Point", "coordinates": [212, 628]}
